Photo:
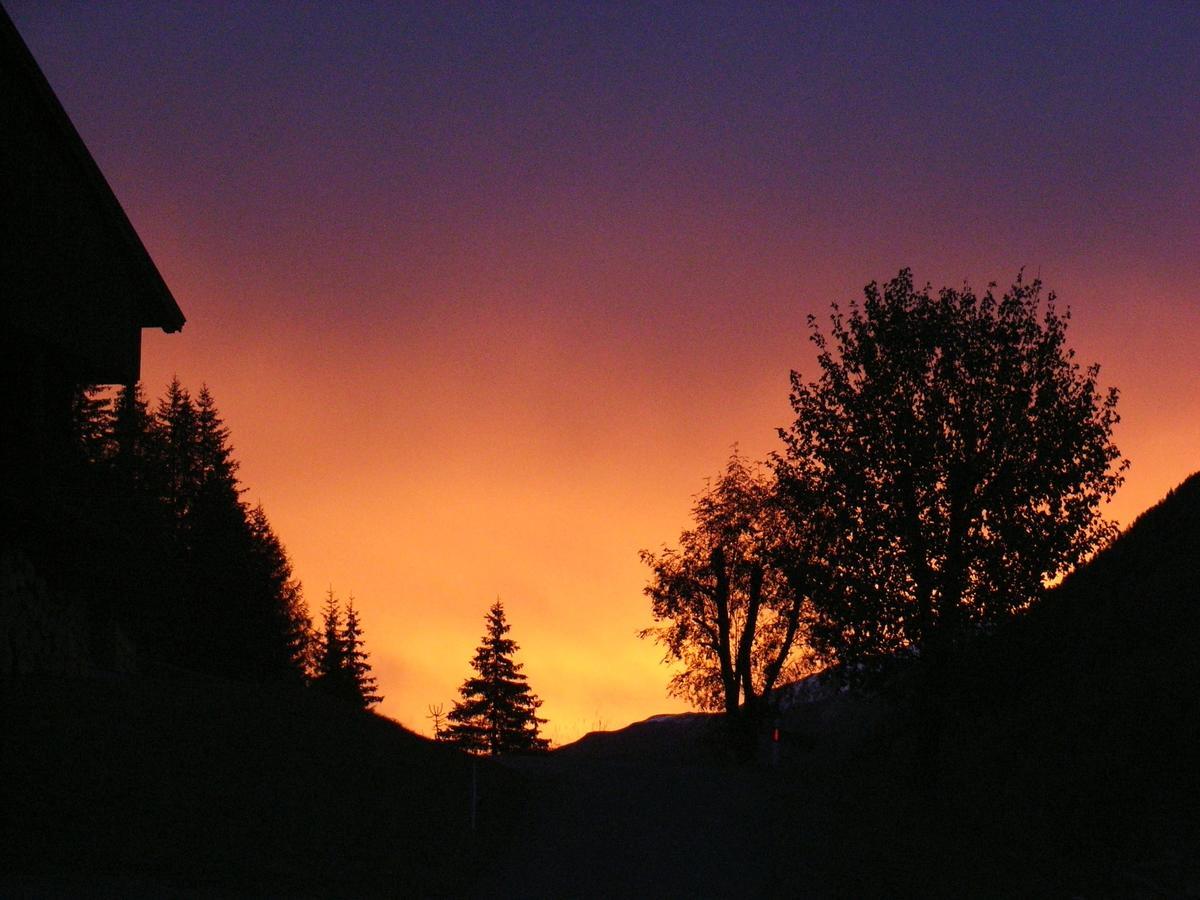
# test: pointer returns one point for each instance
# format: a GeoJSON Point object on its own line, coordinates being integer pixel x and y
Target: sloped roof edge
{"type": "Point", "coordinates": [157, 305]}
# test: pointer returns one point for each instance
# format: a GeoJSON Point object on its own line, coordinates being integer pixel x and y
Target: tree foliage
{"type": "Point", "coordinates": [196, 575]}
{"type": "Point", "coordinates": [733, 598]}
{"type": "Point", "coordinates": [497, 714]}
{"type": "Point", "coordinates": [342, 667]}
{"type": "Point", "coordinates": [357, 660]}
{"type": "Point", "coordinates": [961, 454]}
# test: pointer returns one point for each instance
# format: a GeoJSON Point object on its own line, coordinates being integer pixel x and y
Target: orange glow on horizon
{"type": "Point", "coordinates": [427, 485]}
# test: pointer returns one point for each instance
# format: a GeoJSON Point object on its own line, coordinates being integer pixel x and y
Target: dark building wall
{"type": "Point", "coordinates": [76, 288]}
{"type": "Point", "coordinates": [66, 274]}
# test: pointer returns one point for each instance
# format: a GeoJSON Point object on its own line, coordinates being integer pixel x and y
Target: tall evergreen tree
{"type": "Point", "coordinates": [365, 687]}
{"type": "Point", "coordinates": [498, 712]}
{"type": "Point", "coordinates": [331, 668]}
{"type": "Point", "coordinates": [214, 456]}
{"type": "Point", "coordinates": [278, 597]}
{"type": "Point", "coordinates": [176, 420]}
{"type": "Point", "coordinates": [224, 585]}
{"type": "Point", "coordinates": [133, 444]}
{"type": "Point", "coordinates": [144, 562]}
{"type": "Point", "coordinates": [92, 419]}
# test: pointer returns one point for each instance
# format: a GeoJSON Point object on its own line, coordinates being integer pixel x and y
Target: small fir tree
{"type": "Point", "coordinates": [330, 675]}
{"type": "Point", "coordinates": [438, 718]}
{"type": "Point", "coordinates": [342, 667]}
{"type": "Point", "coordinates": [498, 712]}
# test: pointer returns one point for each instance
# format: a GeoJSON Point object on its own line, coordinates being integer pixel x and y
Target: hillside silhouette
{"type": "Point", "coordinates": [142, 787]}
{"type": "Point", "coordinates": [1065, 770]}
{"type": "Point", "coordinates": [1067, 767]}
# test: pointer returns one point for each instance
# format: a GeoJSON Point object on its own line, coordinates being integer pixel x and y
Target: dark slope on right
{"type": "Point", "coordinates": [1065, 765]}
{"type": "Point", "coordinates": [1093, 703]}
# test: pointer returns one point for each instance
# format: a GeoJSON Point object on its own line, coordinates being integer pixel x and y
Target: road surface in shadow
{"type": "Point", "coordinates": [618, 828]}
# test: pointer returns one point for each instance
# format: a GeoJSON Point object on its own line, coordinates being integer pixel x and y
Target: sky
{"type": "Point", "coordinates": [486, 291]}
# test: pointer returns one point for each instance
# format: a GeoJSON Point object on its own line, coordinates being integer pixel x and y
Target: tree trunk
{"type": "Point", "coordinates": [745, 661]}
{"type": "Point", "coordinates": [721, 599]}
{"type": "Point", "coordinates": [771, 675]}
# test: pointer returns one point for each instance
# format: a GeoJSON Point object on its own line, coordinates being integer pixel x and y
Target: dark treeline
{"type": "Point", "coordinates": [191, 573]}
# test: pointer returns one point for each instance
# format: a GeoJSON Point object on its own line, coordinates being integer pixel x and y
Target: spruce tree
{"type": "Point", "coordinates": [176, 420]}
{"type": "Point", "coordinates": [358, 668]}
{"type": "Point", "coordinates": [214, 463]}
{"type": "Point", "coordinates": [135, 452]}
{"type": "Point", "coordinates": [278, 606]}
{"type": "Point", "coordinates": [330, 674]}
{"type": "Point", "coordinates": [224, 584]}
{"type": "Point", "coordinates": [498, 712]}
{"type": "Point", "coordinates": [92, 420]}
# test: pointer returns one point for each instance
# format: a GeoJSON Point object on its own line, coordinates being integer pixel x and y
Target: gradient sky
{"type": "Point", "coordinates": [485, 291]}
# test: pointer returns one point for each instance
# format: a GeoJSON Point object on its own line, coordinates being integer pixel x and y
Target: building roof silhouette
{"type": "Point", "coordinates": [75, 278]}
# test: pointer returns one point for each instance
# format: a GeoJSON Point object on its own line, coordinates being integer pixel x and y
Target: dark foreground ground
{"type": "Point", "coordinates": [856, 815]}
{"type": "Point", "coordinates": [185, 786]}
{"type": "Point", "coordinates": [137, 787]}
{"type": "Point", "coordinates": [603, 828]}
{"type": "Point", "coordinates": [1063, 764]}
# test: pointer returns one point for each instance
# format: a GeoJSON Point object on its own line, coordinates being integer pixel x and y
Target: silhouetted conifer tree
{"type": "Point", "coordinates": [145, 562]}
{"type": "Point", "coordinates": [278, 600]}
{"type": "Point", "coordinates": [214, 456]}
{"type": "Point", "coordinates": [134, 454]}
{"type": "Point", "coordinates": [498, 712]}
{"type": "Point", "coordinates": [223, 584]}
{"type": "Point", "coordinates": [92, 417]}
{"type": "Point", "coordinates": [342, 669]}
{"type": "Point", "coordinates": [176, 421]}
{"type": "Point", "coordinates": [365, 687]}
{"type": "Point", "coordinates": [331, 668]}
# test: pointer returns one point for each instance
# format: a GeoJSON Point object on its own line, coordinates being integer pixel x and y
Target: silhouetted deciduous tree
{"type": "Point", "coordinates": [733, 598]}
{"type": "Point", "coordinates": [498, 712]}
{"type": "Point", "coordinates": [962, 455]}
